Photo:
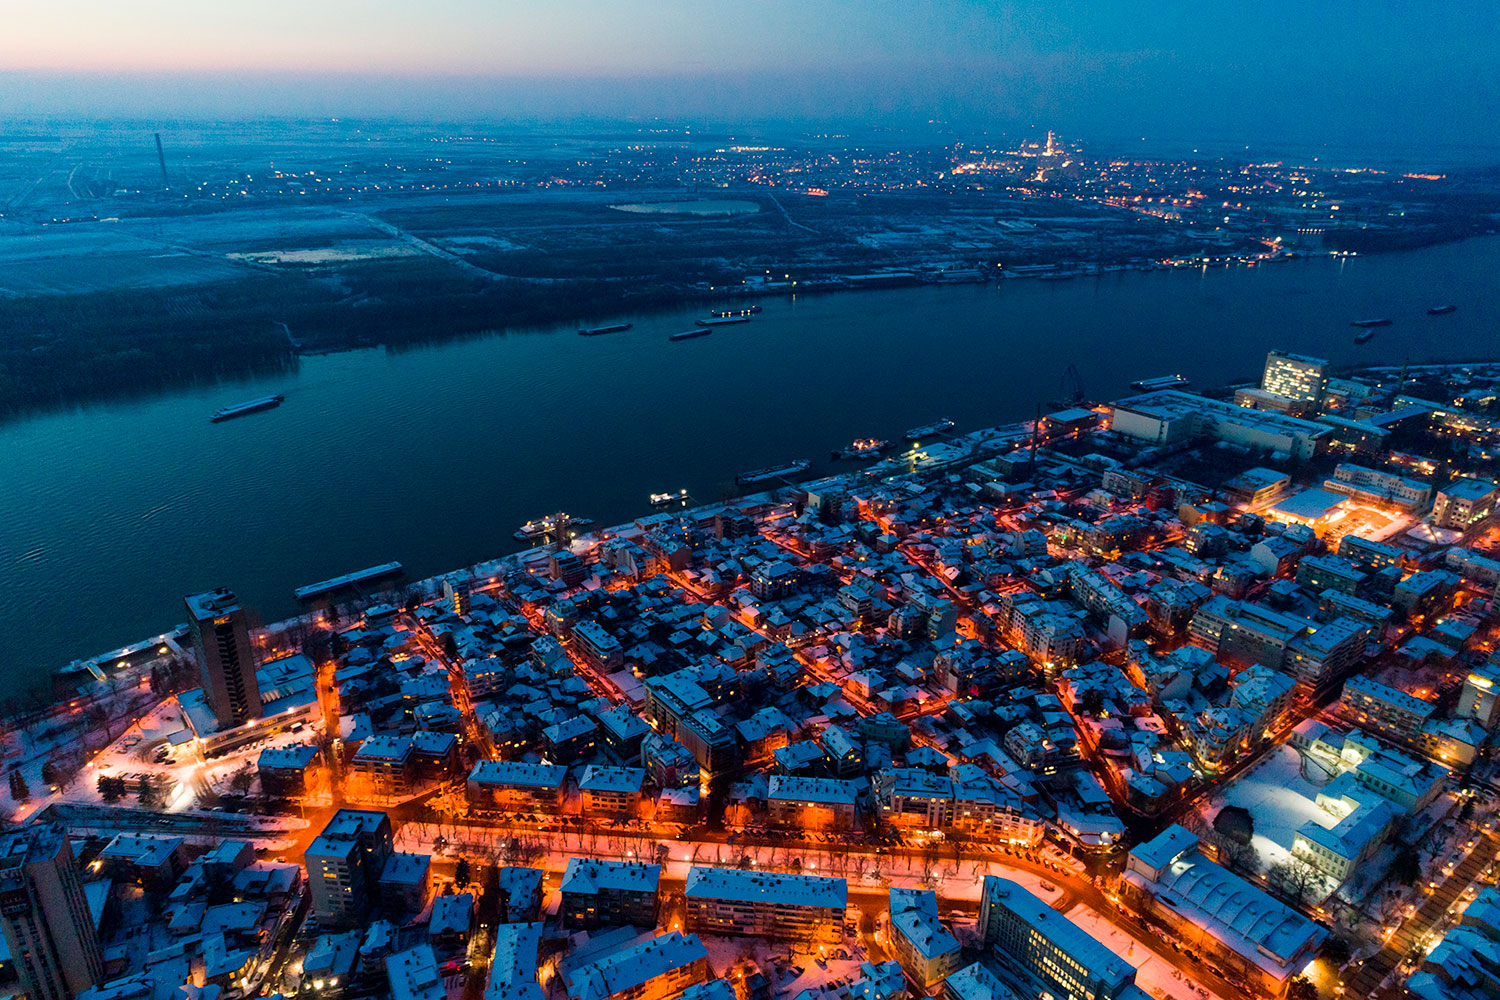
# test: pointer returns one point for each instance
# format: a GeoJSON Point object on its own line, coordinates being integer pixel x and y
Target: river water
{"type": "Point", "coordinates": [111, 512]}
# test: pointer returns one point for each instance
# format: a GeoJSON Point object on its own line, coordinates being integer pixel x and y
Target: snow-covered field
{"type": "Point", "coordinates": [1280, 800]}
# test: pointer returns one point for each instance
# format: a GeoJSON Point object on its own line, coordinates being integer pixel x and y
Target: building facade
{"type": "Point", "coordinates": [221, 635]}
{"type": "Point", "coordinates": [765, 904]}
{"type": "Point", "coordinates": [46, 918]}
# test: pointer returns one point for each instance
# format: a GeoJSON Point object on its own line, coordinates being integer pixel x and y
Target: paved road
{"type": "Point", "coordinates": [1075, 888]}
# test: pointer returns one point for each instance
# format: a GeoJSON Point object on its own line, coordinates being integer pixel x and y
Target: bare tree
{"type": "Point", "coordinates": [1296, 878]}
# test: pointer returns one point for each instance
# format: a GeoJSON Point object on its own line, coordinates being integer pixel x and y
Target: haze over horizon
{"type": "Point", "coordinates": [1367, 76]}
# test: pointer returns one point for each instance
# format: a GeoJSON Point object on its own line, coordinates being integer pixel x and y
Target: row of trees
{"type": "Point", "coordinates": [150, 790]}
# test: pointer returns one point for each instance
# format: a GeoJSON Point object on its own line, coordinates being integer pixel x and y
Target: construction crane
{"type": "Point", "coordinates": [161, 158]}
{"type": "Point", "coordinates": [1072, 386]}
{"type": "Point", "coordinates": [1071, 393]}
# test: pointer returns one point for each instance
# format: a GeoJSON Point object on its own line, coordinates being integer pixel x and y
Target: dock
{"type": "Point", "coordinates": [322, 587]}
{"type": "Point", "coordinates": [140, 652]}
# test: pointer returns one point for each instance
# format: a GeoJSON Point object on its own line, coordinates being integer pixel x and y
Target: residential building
{"type": "Point", "coordinates": [669, 763]}
{"type": "Point", "coordinates": [406, 882]}
{"type": "Point", "coordinates": [1368, 554]}
{"type": "Point", "coordinates": [1322, 573]}
{"type": "Point", "coordinates": [288, 771]}
{"type": "Point", "coordinates": [515, 966]}
{"type": "Point", "coordinates": [597, 893]}
{"type": "Point", "coordinates": [1464, 503]}
{"type": "Point", "coordinates": [1465, 963]}
{"type": "Point", "coordinates": [413, 975]}
{"type": "Point", "coordinates": [451, 924]}
{"type": "Point", "coordinates": [48, 927]}
{"type": "Point", "coordinates": [151, 861]}
{"type": "Point", "coordinates": [911, 798]}
{"type": "Point", "coordinates": [811, 804]}
{"type": "Point", "coordinates": [226, 659]}
{"type": "Point", "coordinates": [1424, 593]}
{"type": "Point", "coordinates": [765, 904]}
{"type": "Point", "coordinates": [381, 768]}
{"type": "Point", "coordinates": [1479, 699]}
{"type": "Point", "coordinates": [656, 967]}
{"type": "Point", "coordinates": [1241, 633]}
{"type": "Point", "coordinates": [602, 650]}
{"type": "Point", "coordinates": [520, 893]}
{"type": "Point", "coordinates": [846, 757]}
{"type": "Point", "coordinates": [1395, 713]}
{"type": "Point", "coordinates": [927, 951]}
{"type": "Point", "coordinates": [611, 791]}
{"type": "Point", "coordinates": [344, 864]}
{"type": "Point", "coordinates": [516, 786]}
{"type": "Point", "coordinates": [1263, 694]}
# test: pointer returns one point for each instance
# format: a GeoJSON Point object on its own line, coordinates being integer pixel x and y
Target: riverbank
{"type": "Point", "coordinates": [139, 343]}
{"type": "Point", "coordinates": [433, 456]}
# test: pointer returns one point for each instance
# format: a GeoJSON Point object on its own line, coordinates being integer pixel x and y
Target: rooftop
{"type": "Point", "coordinates": [591, 876]}
{"type": "Point", "coordinates": [766, 887]}
{"type": "Point", "coordinates": [511, 772]}
{"type": "Point", "coordinates": [1102, 963]}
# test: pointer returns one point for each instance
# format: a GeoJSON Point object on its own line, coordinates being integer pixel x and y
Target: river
{"type": "Point", "coordinates": [111, 512]}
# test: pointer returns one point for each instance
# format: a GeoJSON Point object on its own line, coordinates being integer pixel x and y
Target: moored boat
{"type": "Point", "coordinates": [863, 448]}
{"type": "Point", "coordinates": [244, 409]}
{"type": "Point", "coordinates": [550, 525]}
{"type": "Point", "coordinates": [1164, 382]}
{"type": "Point", "coordinates": [928, 430]}
{"type": "Point", "coordinates": [773, 472]}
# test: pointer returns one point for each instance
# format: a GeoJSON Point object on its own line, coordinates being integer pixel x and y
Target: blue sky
{"type": "Point", "coordinates": [1334, 71]}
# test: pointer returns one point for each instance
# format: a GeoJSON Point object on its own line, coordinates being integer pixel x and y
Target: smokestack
{"type": "Point", "coordinates": [161, 158]}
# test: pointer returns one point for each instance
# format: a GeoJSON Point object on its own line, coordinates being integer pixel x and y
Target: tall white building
{"type": "Point", "coordinates": [1295, 376]}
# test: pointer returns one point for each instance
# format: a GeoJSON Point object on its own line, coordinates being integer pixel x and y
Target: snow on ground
{"type": "Point", "coordinates": [961, 882]}
{"type": "Point", "coordinates": [1280, 800]}
{"type": "Point", "coordinates": [132, 755]}
{"type": "Point", "coordinates": [1152, 974]}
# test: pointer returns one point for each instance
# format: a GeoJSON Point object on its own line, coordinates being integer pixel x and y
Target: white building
{"type": "Point", "coordinates": [1295, 376]}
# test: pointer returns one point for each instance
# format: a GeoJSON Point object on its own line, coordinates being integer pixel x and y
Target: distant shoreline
{"type": "Point", "coordinates": [559, 304]}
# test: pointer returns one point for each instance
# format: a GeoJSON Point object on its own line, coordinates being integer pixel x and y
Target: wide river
{"type": "Point", "coordinates": [111, 512]}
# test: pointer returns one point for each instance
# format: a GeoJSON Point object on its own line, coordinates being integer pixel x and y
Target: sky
{"type": "Point", "coordinates": [1410, 72]}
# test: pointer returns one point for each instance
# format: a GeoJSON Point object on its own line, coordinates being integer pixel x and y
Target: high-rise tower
{"type": "Point", "coordinates": [46, 918]}
{"type": "Point", "coordinates": [225, 656]}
